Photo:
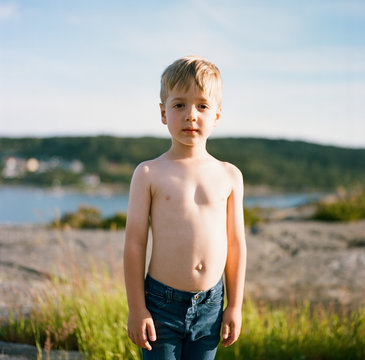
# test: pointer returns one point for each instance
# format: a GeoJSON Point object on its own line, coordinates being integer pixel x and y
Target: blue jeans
{"type": "Point", "coordinates": [187, 323]}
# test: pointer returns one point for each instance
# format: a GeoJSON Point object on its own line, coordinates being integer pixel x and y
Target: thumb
{"type": "Point", "coordinates": [225, 331]}
{"type": "Point", "coordinates": [151, 332]}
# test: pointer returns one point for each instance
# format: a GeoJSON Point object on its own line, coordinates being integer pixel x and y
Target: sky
{"type": "Point", "coordinates": [291, 69]}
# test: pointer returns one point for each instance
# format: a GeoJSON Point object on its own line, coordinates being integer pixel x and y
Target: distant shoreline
{"type": "Point", "coordinates": [40, 205]}
{"type": "Point", "coordinates": [249, 190]}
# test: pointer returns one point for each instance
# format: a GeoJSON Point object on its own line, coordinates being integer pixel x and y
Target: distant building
{"type": "Point", "coordinates": [91, 180]}
{"type": "Point", "coordinates": [76, 166]}
{"type": "Point", "coordinates": [14, 167]}
{"type": "Point", "coordinates": [32, 165]}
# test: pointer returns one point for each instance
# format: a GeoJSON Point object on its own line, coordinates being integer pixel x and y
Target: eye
{"type": "Point", "coordinates": [178, 106]}
{"type": "Point", "coordinates": [203, 106]}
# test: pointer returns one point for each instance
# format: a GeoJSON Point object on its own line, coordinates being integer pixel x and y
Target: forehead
{"type": "Point", "coordinates": [191, 90]}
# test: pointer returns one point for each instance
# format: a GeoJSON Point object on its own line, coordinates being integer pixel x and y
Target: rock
{"type": "Point", "coordinates": [13, 351]}
{"type": "Point", "coordinates": [309, 260]}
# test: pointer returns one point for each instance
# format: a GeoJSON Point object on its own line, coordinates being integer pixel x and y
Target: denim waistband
{"type": "Point", "coordinates": [173, 294]}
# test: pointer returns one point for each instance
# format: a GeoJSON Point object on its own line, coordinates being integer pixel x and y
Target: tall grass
{"type": "Point", "coordinates": [88, 312]}
{"type": "Point", "coordinates": [298, 333]}
{"type": "Point", "coordinates": [85, 312]}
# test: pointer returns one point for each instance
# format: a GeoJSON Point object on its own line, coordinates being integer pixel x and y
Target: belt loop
{"type": "Point", "coordinates": [168, 294]}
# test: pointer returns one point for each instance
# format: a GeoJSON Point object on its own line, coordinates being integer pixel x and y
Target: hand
{"type": "Point", "coordinates": [141, 328]}
{"type": "Point", "coordinates": [231, 325]}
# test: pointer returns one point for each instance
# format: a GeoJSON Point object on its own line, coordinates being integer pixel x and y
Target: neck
{"type": "Point", "coordinates": [196, 152]}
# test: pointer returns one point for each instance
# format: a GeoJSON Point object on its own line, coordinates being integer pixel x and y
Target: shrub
{"type": "Point", "coordinates": [349, 208]}
{"type": "Point", "coordinates": [251, 216]}
{"type": "Point", "coordinates": [116, 222]}
{"type": "Point", "coordinates": [84, 218]}
{"type": "Point", "coordinates": [90, 218]}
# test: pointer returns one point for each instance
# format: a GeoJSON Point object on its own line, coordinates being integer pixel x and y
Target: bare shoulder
{"type": "Point", "coordinates": [142, 173]}
{"type": "Point", "coordinates": [233, 172]}
{"type": "Point", "coordinates": [146, 167]}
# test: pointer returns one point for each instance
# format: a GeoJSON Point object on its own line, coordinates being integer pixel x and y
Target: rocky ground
{"type": "Point", "coordinates": [288, 258]}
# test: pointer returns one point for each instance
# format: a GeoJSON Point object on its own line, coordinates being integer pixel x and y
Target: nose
{"type": "Point", "coordinates": [191, 114]}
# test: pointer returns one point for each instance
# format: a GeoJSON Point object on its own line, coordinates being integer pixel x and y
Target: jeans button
{"type": "Point", "coordinates": [196, 297]}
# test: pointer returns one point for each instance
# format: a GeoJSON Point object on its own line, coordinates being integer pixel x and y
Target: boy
{"type": "Point", "coordinates": [195, 204]}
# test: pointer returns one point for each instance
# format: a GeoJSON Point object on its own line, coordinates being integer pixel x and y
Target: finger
{"type": "Point", "coordinates": [143, 340]}
{"type": "Point", "coordinates": [143, 343]}
{"type": "Point", "coordinates": [147, 345]}
{"type": "Point", "coordinates": [232, 338]}
{"type": "Point", "coordinates": [151, 332]}
{"type": "Point", "coordinates": [225, 331]}
{"type": "Point", "coordinates": [226, 340]}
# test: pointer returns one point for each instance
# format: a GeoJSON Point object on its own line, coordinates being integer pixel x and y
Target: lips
{"type": "Point", "coordinates": [190, 130]}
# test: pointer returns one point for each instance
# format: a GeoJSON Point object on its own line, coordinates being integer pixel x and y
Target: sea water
{"type": "Point", "coordinates": [29, 205]}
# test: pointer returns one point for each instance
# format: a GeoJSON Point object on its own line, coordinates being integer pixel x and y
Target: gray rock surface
{"type": "Point", "coordinates": [307, 260]}
{"type": "Point", "coordinates": [287, 259]}
{"type": "Point", "coordinates": [12, 351]}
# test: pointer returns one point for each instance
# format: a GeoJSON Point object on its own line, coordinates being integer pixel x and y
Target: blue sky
{"type": "Point", "coordinates": [291, 69]}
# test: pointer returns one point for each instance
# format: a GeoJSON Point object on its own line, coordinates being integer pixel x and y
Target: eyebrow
{"type": "Point", "coordinates": [178, 98]}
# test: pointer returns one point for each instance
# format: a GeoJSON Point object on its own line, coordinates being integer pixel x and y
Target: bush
{"type": "Point", "coordinates": [348, 209]}
{"type": "Point", "coordinates": [116, 222]}
{"type": "Point", "coordinates": [251, 216]}
{"type": "Point", "coordinates": [90, 218]}
{"type": "Point", "coordinates": [84, 218]}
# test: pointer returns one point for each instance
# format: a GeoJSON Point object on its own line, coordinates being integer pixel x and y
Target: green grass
{"type": "Point", "coordinates": [88, 312]}
{"type": "Point", "coordinates": [300, 332]}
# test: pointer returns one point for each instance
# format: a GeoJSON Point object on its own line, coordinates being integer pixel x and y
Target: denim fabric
{"type": "Point", "coordinates": [187, 323]}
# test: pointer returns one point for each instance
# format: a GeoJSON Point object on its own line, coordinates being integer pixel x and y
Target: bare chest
{"type": "Point", "coordinates": [189, 190]}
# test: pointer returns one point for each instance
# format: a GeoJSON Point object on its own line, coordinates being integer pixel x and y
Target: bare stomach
{"type": "Point", "coordinates": [189, 264]}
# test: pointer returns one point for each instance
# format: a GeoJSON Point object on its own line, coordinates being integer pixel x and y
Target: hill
{"type": "Point", "coordinates": [289, 165]}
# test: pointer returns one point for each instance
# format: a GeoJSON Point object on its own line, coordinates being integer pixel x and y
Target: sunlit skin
{"type": "Point", "coordinates": [195, 204]}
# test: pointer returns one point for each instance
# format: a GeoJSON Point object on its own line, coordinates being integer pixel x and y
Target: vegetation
{"type": "Point", "coordinates": [89, 217]}
{"type": "Point", "coordinates": [350, 208]}
{"type": "Point", "coordinates": [289, 165]}
{"type": "Point", "coordinates": [251, 216]}
{"type": "Point", "coordinates": [88, 312]}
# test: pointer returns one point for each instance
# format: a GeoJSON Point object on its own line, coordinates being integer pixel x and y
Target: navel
{"type": "Point", "coordinates": [199, 267]}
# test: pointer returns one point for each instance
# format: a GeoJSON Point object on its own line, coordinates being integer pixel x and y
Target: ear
{"type": "Point", "coordinates": [163, 114]}
{"type": "Point", "coordinates": [217, 115]}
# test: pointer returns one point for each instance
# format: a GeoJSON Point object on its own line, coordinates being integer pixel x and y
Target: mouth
{"type": "Point", "coordinates": [190, 131]}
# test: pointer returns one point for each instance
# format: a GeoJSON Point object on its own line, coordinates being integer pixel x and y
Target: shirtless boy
{"type": "Point", "coordinates": [195, 203]}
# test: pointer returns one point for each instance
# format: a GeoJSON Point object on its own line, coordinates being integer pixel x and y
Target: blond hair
{"type": "Point", "coordinates": [182, 71]}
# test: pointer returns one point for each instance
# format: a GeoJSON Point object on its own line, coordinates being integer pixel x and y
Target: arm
{"type": "Point", "coordinates": [140, 323]}
{"type": "Point", "coordinates": [235, 269]}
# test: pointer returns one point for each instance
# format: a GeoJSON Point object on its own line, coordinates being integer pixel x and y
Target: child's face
{"type": "Point", "coordinates": [190, 115]}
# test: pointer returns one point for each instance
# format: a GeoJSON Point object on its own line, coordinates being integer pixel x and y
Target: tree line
{"type": "Point", "coordinates": [283, 164]}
